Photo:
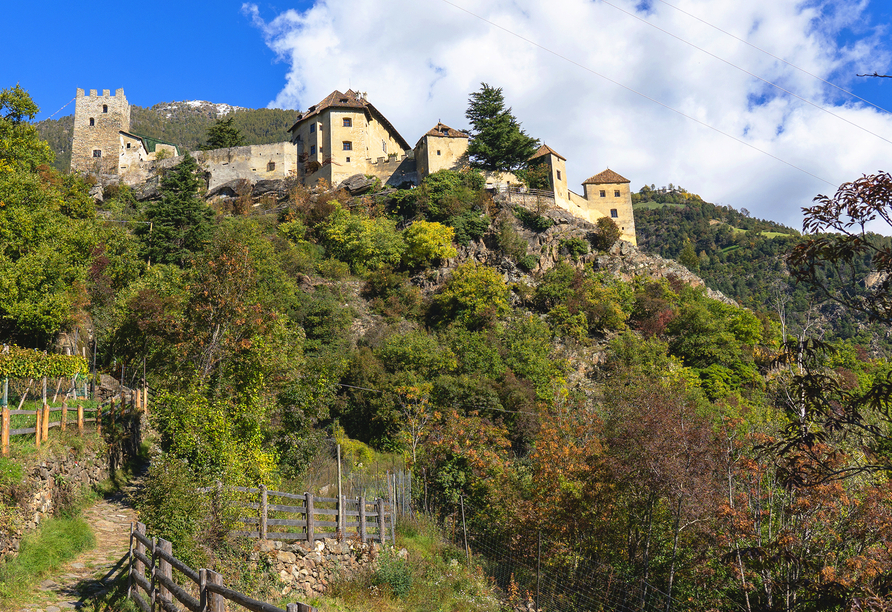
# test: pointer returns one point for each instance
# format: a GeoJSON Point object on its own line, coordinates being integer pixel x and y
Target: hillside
{"type": "Point", "coordinates": [182, 123]}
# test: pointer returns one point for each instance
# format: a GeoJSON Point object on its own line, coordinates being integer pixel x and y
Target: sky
{"type": "Point", "coordinates": [660, 91]}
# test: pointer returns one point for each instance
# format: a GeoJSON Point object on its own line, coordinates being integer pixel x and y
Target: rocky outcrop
{"type": "Point", "coordinates": [358, 184]}
{"type": "Point", "coordinates": [309, 569]}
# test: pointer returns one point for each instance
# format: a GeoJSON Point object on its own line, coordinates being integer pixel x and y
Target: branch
{"type": "Point", "coordinates": [882, 76]}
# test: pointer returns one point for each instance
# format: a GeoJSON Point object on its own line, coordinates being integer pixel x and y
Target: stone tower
{"type": "Point", "coordinates": [98, 121]}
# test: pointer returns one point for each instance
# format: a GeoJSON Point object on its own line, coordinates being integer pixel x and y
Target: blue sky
{"type": "Point", "coordinates": [419, 59]}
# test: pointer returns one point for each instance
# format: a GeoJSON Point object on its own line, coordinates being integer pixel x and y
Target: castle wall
{"type": "Point", "coordinates": [436, 153]}
{"type": "Point", "coordinates": [617, 207]}
{"type": "Point", "coordinates": [98, 120]}
{"type": "Point", "coordinates": [132, 152]}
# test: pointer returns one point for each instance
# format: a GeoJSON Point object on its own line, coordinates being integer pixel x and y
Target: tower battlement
{"type": "Point", "coordinates": [98, 122]}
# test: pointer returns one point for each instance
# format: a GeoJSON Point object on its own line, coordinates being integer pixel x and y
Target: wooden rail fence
{"type": "Point", "coordinates": [115, 407]}
{"type": "Point", "coordinates": [204, 590]}
{"type": "Point", "coordinates": [367, 519]}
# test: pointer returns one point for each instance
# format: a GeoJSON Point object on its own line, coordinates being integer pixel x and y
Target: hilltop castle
{"type": "Point", "coordinates": [341, 136]}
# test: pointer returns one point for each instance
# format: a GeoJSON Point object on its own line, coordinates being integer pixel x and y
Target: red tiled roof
{"type": "Point", "coordinates": [349, 99]}
{"type": "Point", "coordinates": [443, 131]}
{"type": "Point", "coordinates": [546, 150]}
{"type": "Point", "coordinates": [606, 177]}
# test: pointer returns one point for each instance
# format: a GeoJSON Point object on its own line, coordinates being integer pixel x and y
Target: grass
{"type": "Point", "coordinates": [435, 578]}
{"type": "Point", "coordinates": [766, 234]}
{"type": "Point", "coordinates": [55, 542]}
{"type": "Point", "coordinates": [651, 205]}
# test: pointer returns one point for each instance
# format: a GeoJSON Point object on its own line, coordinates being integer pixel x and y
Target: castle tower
{"type": "Point", "coordinates": [441, 148]}
{"type": "Point", "coordinates": [609, 195]}
{"type": "Point", "coordinates": [98, 121]}
{"type": "Point", "coordinates": [557, 170]}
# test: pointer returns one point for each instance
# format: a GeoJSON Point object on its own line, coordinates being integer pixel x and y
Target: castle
{"type": "Point", "coordinates": [341, 136]}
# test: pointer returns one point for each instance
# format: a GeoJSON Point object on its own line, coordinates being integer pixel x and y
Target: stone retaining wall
{"type": "Point", "coordinates": [44, 486]}
{"type": "Point", "coordinates": [309, 569]}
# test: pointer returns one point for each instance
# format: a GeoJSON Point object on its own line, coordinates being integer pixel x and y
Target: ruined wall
{"type": "Point", "coordinates": [43, 484]}
{"type": "Point", "coordinates": [97, 123]}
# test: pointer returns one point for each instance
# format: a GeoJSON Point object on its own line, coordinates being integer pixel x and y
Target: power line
{"type": "Point", "coordinates": [780, 59]}
{"type": "Point", "coordinates": [645, 96]}
{"type": "Point", "coordinates": [61, 109]}
{"type": "Point", "coordinates": [744, 70]}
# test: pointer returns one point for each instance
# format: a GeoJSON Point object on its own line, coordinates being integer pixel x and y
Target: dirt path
{"type": "Point", "coordinates": [92, 573]}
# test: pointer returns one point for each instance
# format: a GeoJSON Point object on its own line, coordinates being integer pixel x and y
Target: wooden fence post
{"type": "Point", "coordinates": [310, 525]}
{"type": "Point", "coordinates": [37, 427]}
{"type": "Point", "coordinates": [216, 603]}
{"type": "Point", "coordinates": [5, 439]}
{"type": "Point", "coordinates": [45, 422]}
{"type": "Point", "coordinates": [64, 414]}
{"type": "Point", "coordinates": [392, 508]}
{"type": "Point", "coordinates": [153, 595]}
{"type": "Point", "coordinates": [202, 589]}
{"type": "Point", "coordinates": [130, 568]}
{"type": "Point", "coordinates": [264, 511]}
{"type": "Point", "coordinates": [165, 568]}
{"type": "Point", "coordinates": [80, 418]}
{"type": "Point", "coordinates": [362, 535]}
{"type": "Point", "coordinates": [111, 416]}
{"type": "Point", "coordinates": [99, 419]}
{"type": "Point", "coordinates": [382, 537]}
{"type": "Point", "coordinates": [140, 548]}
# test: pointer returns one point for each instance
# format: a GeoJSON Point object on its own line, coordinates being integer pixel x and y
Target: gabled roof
{"type": "Point", "coordinates": [606, 177]}
{"type": "Point", "coordinates": [350, 100]}
{"type": "Point", "coordinates": [546, 150]}
{"type": "Point", "coordinates": [442, 130]}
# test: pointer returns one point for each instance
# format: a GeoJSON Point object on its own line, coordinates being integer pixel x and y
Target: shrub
{"type": "Point", "coordinates": [474, 295]}
{"type": "Point", "coordinates": [528, 262]}
{"type": "Point", "coordinates": [607, 235]}
{"type": "Point", "coordinates": [427, 242]}
{"type": "Point", "coordinates": [447, 193]}
{"type": "Point", "coordinates": [363, 242]}
{"type": "Point", "coordinates": [511, 243]}
{"type": "Point", "coordinates": [576, 247]}
{"type": "Point", "coordinates": [469, 225]}
{"type": "Point", "coordinates": [531, 220]}
{"type": "Point", "coordinates": [393, 572]}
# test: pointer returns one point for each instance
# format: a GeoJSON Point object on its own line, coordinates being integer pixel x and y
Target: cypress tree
{"type": "Point", "coordinates": [497, 141]}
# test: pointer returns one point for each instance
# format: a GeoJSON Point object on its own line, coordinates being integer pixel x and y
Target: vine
{"type": "Point", "coordinates": [20, 362]}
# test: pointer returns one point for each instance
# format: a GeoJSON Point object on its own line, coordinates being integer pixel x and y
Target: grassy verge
{"type": "Point", "coordinates": [433, 578]}
{"type": "Point", "coordinates": [56, 541]}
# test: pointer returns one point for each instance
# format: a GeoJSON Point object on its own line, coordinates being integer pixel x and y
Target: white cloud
{"type": "Point", "coordinates": [419, 59]}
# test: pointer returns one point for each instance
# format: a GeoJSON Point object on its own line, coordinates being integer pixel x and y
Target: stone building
{"type": "Point", "coordinates": [441, 148]}
{"type": "Point", "coordinates": [98, 123]}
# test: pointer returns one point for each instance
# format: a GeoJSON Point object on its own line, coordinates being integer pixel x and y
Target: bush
{"type": "Point", "coordinates": [447, 193]}
{"type": "Point", "coordinates": [474, 295]}
{"type": "Point", "coordinates": [427, 242]}
{"type": "Point", "coordinates": [469, 226]}
{"type": "Point", "coordinates": [528, 262]}
{"type": "Point", "coordinates": [393, 572]}
{"type": "Point", "coordinates": [511, 243]}
{"type": "Point", "coordinates": [607, 235]}
{"type": "Point", "coordinates": [576, 247]}
{"type": "Point", "coordinates": [531, 220]}
{"type": "Point", "coordinates": [364, 243]}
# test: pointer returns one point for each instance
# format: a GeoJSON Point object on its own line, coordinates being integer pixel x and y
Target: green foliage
{"type": "Point", "coordinates": [393, 572]}
{"type": "Point", "coordinates": [536, 175]}
{"type": "Point", "coordinates": [531, 220]}
{"type": "Point", "coordinates": [469, 226]}
{"type": "Point", "coordinates": [418, 352]}
{"type": "Point", "coordinates": [180, 221]}
{"type": "Point", "coordinates": [497, 141]}
{"type": "Point", "coordinates": [427, 242]}
{"type": "Point", "coordinates": [20, 144]}
{"type": "Point", "coordinates": [450, 193]}
{"type": "Point", "coordinates": [28, 363]}
{"type": "Point", "coordinates": [475, 295]}
{"type": "Point", "coordinates": [607, 235]}
{"type": "Point", "coordinates": [362, 242]}
{"type": "Point", "coordinates": [223, 135]}
{"type": "Point", "coordinates": [392, 294]}
{"type": "Point", "coordinates": [688, 257]}
{"type": "Point", "coordinates": [575, 247]}
{"type": "Point", "coordinates": [511, 242]}
{"type": "Point", "coordinates": [528, 262]}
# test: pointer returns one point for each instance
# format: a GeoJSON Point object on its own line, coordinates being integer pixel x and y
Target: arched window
{"type": "Point", "coordinates": [105, 108]}
{"type": "Point", "coordinates": [271, 166]}
{"type": "Point", "coordinates": [92, 121]}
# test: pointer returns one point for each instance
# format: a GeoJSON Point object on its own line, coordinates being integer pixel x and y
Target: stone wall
{"type": "Point", "coordinates": [308, 569]}
{"type": "Point", "coordinates": [98, 121]}
{"type": "Point", "coordinates": [44, 486]}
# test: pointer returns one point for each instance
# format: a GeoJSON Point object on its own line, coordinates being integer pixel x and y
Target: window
{"type": "Point", "coordinates": [271, 166]}
{"type": "Point", "coordinates": [614, 213]}
{"type": "Point", "coordinates": [105, 108]}
{"type": "Point", "coordinates": [384, 145]}
{"type": "Point", "coordinates": [348, 160]}
{"type": "Point", "coordinates": [616, 193]}
{"type": "Point", "coordinates": [128, 145]}
{"type": "Point", "coordinates": [312, 127]}
{"type": "Point", "coordinates": [438, 151]}
{"type": "Point", "coordinates": [348, 122]}
{"type": "Point", "coordinates": [97, 153]}
{"type": "Point", "coordinates": [348, 146]}
{"type": "Point", "coordinates": [312, 149]}
{"type": "Point", "coordinates": [92, 121]}
{"type": "Point", "coordinates": [558, 174]}
{"type": "Point", "coordinates": [603, 194]}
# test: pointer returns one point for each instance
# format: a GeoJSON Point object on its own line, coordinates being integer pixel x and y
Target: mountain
{"type": "Point", "coordinates": [182, 123]}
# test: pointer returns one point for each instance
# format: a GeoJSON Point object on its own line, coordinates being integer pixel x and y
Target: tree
{"type": "Point", "coordinates": [608, 233]}
{"type": "Point", "coordinates": [223, 135]}
{"type": "Point", "coordinates": [180, 223]}
{"type": "Point", "coordinates": [497, 141]}
{"type": "Point", "coordinates": [20, 144]}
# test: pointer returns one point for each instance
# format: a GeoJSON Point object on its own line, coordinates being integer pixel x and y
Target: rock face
{"type": "Point", "coordinates": [43, 487]}
{"type": "Point", "coordinates": [308, 569]}
{"type": "Point", "coordinates": [358, 184]}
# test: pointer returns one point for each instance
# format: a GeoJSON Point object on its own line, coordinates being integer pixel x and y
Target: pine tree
{"type": "Point", "coordinates": [497, 141]}
{"type": "Point", "coordinates": [223, 135]}
{"type": "Point", "coordinates": [180, 223]}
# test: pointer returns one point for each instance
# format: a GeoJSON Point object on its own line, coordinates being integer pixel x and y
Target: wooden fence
{"type": "Point", "coordinates": [368, 520]}
{"type": "Point", "coordinates": [204, 590]}
{"type": "Point", "coordinates": [115, 407]}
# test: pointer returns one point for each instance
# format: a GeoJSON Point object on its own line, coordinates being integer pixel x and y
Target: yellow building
{"type": "Point", "coordinates": [441, 148]}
